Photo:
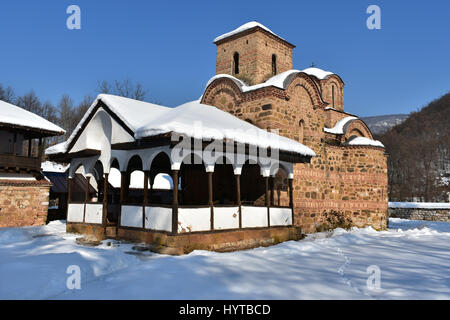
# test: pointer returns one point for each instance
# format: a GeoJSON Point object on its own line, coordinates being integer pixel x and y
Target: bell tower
{"type": "Point", "coordinates": [252, 53]}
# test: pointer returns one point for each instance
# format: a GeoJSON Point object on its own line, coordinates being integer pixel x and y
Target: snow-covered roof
{"type": "Point", "coordinates": [50, 166]}
{"type": "Point", "coordinates": [13, 115]}
{"type": "Point", "coordinates": [280, 80]}
{"type": "Point", "coordinates": [133, 113]}
{"type": "Point", "coordinates": [57, 148]}
{"type": "Point", "coordinates": [363, 141]}
{"type": "Point", "coordinates": [245, 27]}
{"type": "Point", "coordinates": [319, 73]}
{"type": "Point", "coordinates": [420, 205]}
{"type": "Point", "coordinates": [192, 119]}
{"type": "Point", "coordinates": [339, 126]}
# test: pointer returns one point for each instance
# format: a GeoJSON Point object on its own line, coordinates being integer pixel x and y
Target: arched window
{"type": "Point", "coordinates": [301, 128]}
{"type": "Point", "coordinates": [274, 64]}
{"type": "Point", "coordinates": [236, 63]}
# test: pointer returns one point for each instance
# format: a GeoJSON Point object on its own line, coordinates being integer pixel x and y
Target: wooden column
{"type": "Point", "coordinates": [210, 198]}
{"type": "Point", "coordinates": [29, 147]}
{"type": "Point", "coordinates": [291, 199]}
{"type": "Point", "coordinates": [86, 195]}
{"type": "Point", "coordinates": [145, 202]}
{"type": "Point", "coordinates": [122, 195]}
{"type": "Point", "coordinates": [40, 149]}
{"type": "Point", "coordinates": [238, 198]}
{"type": "Point", "coordinates": [69, 194]}
{"type": "Point", "coordinates": [266, 180]}
{"type": "Point", "coordinates": [175, 202]}
{"type": "Point", "coordinates": [15, 143]}
{"type": "Point", "coordinates": [122, 187]}
{"type": "Point", "coordinates": [271, 185]}
{"type": "Point", "coordinates": [69, 189]}
{"type": "Point", "coordinates": [105, 199]}
{"type": "Point", "coordinates": [152, 181]}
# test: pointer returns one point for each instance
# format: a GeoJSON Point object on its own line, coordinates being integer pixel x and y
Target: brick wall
{"type": "Point", "coordinates": [23, 204]}
{"type": "Point", "coordinates": [255, 56]}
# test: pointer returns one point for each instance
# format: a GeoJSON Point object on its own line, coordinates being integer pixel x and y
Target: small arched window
{"type": "Point", "coordinates": [236, 63]}
{"type": "Point", "coordinates": [274, 64]}
{"type": "Point", "coordinates": [301, 129]}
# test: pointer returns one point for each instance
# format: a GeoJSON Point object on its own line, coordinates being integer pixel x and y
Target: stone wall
{"type": "Point", "coordinates": [352, 181]}
{"type": "Point", "coordinates": [420, 214]}
{"type": "Point", "coordinates": [23, 203]}
{"type": "Point", "coordinates": [349, 179]}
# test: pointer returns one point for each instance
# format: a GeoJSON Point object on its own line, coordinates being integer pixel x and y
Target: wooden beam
{"type": "Point", "coordinates": [69, 194]}
{"type": "Point", "coordinates": [29, 147]}
{"type": "Point", "coordinates": [40, 149]}
{"type": "Point", "coordinates": [291, 199]}
{"type": "Point", "coordinates": [175, 202]}
{"type": "Point", "coordinates": [86, 196]}
{"type": "Point", "coordinates": [15, 143]}
{"type": "Point", "coordinates": [105, 200]}
{"type": "Point", "coordinates": [145, 202]}
{"type": "Point", "coordinates": [266, 182]}
{"type": "Point", "coordinates": [210, 198]}
{"type": "Point", "coordinates": [271, 185]}
{"type": "Point", "coordinates": [122, 195]}
{"type": "Point", "coordinates": [152, 180]}
{"type": "Point", "coordinates": [238, 198]}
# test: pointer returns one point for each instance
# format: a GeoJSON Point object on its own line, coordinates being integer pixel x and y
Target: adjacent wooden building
{"type": "Point", "coordinates": [24, 191]}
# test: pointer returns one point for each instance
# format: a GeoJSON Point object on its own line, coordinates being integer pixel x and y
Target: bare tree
{"type": "Point", "coordinates": [66, 115]}
{"type": "Point", "coordinates": [7, 94]}
{"type": "Point", "coordinates": [30, 102]}
{"type": "Point", "coordinates": [125, 88]}
{"type": "Point", "coordinates": [82, 108]}
{"type": "Point", "coordinates": [104, 87]}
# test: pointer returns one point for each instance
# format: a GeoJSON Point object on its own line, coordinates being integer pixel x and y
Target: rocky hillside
{"type": "Point", "coordinates": [381, 124]}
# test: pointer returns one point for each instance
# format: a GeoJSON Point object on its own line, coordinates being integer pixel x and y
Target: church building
{"type": "Point", "coordinates": [267, 154]}
{"type": "Point", "coordinates": [255, 81]}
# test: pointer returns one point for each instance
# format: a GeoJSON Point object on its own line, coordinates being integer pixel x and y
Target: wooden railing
{"type": "Point", "coordinates": [11, 161]}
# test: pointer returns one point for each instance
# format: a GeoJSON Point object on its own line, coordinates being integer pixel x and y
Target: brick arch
{"type": "Point", "coordinates": [335, 77]}
{"type": "Point", "coordinates": [303, 80]}
{"type": "Point", "coordinates": [357, 126]}
{"type": "Point", "coordinates": [222, 86]}
{"type": "Point", "coordinates": [327, 93]}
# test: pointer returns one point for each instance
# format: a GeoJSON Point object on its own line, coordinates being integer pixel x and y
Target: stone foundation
{"type": "Point", "coordinates": [221, 241]}
{"type": "Point", "coordinates": [420, 214]}
{"type": "Point", "coordinates": [23, 203]}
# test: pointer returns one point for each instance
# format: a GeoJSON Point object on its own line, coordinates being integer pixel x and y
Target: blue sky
{"type": "Point", "coordinates": [167, 46]}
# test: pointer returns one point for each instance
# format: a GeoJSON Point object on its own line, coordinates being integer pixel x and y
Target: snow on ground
{"type": "Point", "coordinates": [413, 256]}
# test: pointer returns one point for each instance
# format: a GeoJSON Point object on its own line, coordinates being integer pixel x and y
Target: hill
{"type": "Point", "coordinates": [419, 154]}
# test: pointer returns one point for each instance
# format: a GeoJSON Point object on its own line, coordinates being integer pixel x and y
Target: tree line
{"type": "Point", "coordinates": [419, 154]}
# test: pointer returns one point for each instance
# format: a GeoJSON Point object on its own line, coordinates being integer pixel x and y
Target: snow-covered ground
{"type": "Point", "coordinates": [413, 258]}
